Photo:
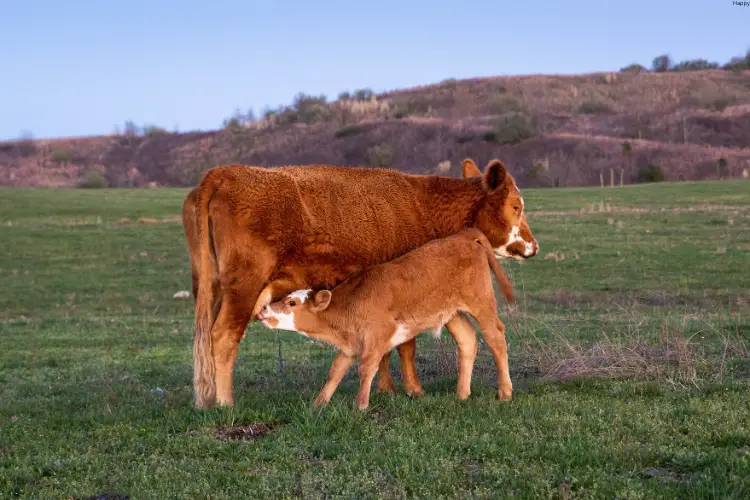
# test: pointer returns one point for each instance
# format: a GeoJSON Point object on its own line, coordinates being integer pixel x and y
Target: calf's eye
{"type": "Point", "coordinates": [292, 303]}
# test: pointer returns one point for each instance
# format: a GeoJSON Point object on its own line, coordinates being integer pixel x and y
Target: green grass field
{"type": "Point", "coordinates": [648, 286]}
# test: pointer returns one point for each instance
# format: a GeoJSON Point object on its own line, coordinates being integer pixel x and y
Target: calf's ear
{"type": "Point", "coordinates": [321, 300]}
{"type": "Point", "coordinates": [494, 175]}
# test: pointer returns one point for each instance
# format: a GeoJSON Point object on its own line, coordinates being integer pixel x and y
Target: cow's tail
{"type": "Point", "coordinates": [204, 370]}
{"type": "Point", "coordinates": [505, 285]}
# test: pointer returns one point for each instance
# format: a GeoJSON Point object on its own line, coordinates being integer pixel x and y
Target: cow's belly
{"type": "Point", "coordinates": [316, 274]}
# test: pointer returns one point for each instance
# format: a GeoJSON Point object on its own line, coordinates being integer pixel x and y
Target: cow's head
{"type": "Point", "coordinates": [501, 215]}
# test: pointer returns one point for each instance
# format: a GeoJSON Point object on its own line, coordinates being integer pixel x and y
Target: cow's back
{"type": "Point", "coordinates": [374, 213]}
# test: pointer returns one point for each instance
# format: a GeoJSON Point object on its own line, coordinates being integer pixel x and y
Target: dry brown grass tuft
{"type": "Point", "coordinates": [635, 361]}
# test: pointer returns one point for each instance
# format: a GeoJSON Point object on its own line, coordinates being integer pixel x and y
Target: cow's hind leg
{"type": "Point", "coordinates": [407, 356]}
{"type": "Point", "coordinates": [241, 283]}
{"type": "Point", "coordinates": [385, 380]}
{"type": "Point", "coordinates": [407, 353]}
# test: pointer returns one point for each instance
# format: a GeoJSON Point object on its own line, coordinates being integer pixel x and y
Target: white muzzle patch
{"type": "Point", "coordinates": [514, 237]}
{"type": "Point", "coordinates": [284, 321]}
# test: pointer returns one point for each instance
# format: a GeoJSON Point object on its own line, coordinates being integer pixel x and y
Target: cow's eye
{"type": "Point", "coordinates": [516, 208]}
{"type": "Point", "coordinates": [292, 303]}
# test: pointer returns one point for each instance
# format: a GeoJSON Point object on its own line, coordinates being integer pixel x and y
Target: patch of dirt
{"type": "Point", "coordinates": [665, 474]}
{"type": "Point", "coordinates": [246, 432]}
{"type": "Point", "coordinates": [108, 496]}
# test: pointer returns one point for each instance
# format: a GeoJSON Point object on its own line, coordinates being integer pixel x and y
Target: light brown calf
{"type": "Point", "coordinates": [388, 304]}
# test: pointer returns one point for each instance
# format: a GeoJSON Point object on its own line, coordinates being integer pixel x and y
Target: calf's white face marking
{"type": "Point", "coordinates": [300, 295]}
{"type": "Point", "coordinates": [285, 320]}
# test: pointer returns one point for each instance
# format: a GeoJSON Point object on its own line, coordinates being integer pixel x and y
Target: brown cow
{"type": "Point", "coordinates": [387, 304]}
{"type": "Point", "coordinates": [255, 234]}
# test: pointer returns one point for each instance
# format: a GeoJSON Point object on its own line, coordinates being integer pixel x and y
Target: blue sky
{"type": "Point", "coordinates": [81, 67]}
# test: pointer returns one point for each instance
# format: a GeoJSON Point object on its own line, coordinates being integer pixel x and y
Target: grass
{"type": "Point", "coordinates": [96, 371]}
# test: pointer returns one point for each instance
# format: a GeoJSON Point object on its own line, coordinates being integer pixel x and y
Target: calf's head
{"type": "Point", "coordinates": [501, 216]}
{"type": "Point", "coordinates": [298, 312]}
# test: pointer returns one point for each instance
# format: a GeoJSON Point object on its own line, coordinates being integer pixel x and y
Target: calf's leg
{"type": "Point", "coordinates": [368, 366]}
{"type": "Point", "coordinates": [466, 342]}
{"type": "Point", "coordinates": [339, 367]}
{"type": "Point", "coordinates": [494, 334]}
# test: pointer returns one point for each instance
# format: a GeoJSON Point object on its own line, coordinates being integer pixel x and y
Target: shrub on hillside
{"type": "Point", "coordinates": [349, 130]}
{"type": "Point", "coordinates": [154, 131]}
{"type": "Point", "coordinates": [651, 173]}
{"type": "Point", "coordinates": [311, 109]}
{"type": "Point", "coordinates": [661, 63]}
{"type": "Point", "coordinates": [380, 155]}
{"type": "Point", "coordinates": [595, 106]}
{"type": "Point", "coordinates": [92, 180]}
{"type": "Point", "coordinates": [498, 105]}
{"type": "Point", "coordinates": [510, 128]}
{"type": "Point", "coordinates": [363, 94]}
{"type": "Point", "coordinates": [412, 106]}
{"type": "Point", "coordinates": [715, 99]}
{"type": "Point", "coordinates": [449, 83]}
{"type": "Point", "coordinates": [131, 129]}
{"type": "Point", "coordinates": [694, 65]}
{"type": "Point", "coordinates": [738, 63]}
{"type": "Point", "coordinates": [633, 68]}
{"type": "Point", "coordinates": [62, 156]}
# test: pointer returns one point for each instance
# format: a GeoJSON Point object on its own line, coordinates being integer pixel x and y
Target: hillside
{"type": "Point", "coordinates": [550, 130]}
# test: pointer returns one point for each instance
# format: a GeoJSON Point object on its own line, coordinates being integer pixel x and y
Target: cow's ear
{"type": "Point", "coordinates": [494, 175]}
{"type": "Point", "coordinates": [469, 169]}
{"type": "Point", "coordinates": [321, 301]}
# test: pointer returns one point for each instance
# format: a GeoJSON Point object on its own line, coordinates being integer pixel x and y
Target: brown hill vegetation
{"type": "Point", "coordinates": [550, 130]}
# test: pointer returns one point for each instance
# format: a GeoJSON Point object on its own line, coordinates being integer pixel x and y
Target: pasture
{"type": "Point", "coordinates": [628, 353]}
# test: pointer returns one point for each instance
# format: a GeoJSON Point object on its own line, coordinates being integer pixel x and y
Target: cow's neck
{"type": "Point", "coordinates": [451, 205]}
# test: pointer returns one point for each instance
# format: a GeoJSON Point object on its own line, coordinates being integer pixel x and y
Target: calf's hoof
{"type": "Point", "coordinates": [505, 394]}
{"type": "Point", "coordinates": [321, 400]}
{"type": "Point", "coordinates": [463, 395]}
{"type": "Point", "coordinates": [415, 393]}
{"type": "Point", "coordinates": [361, 404]}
